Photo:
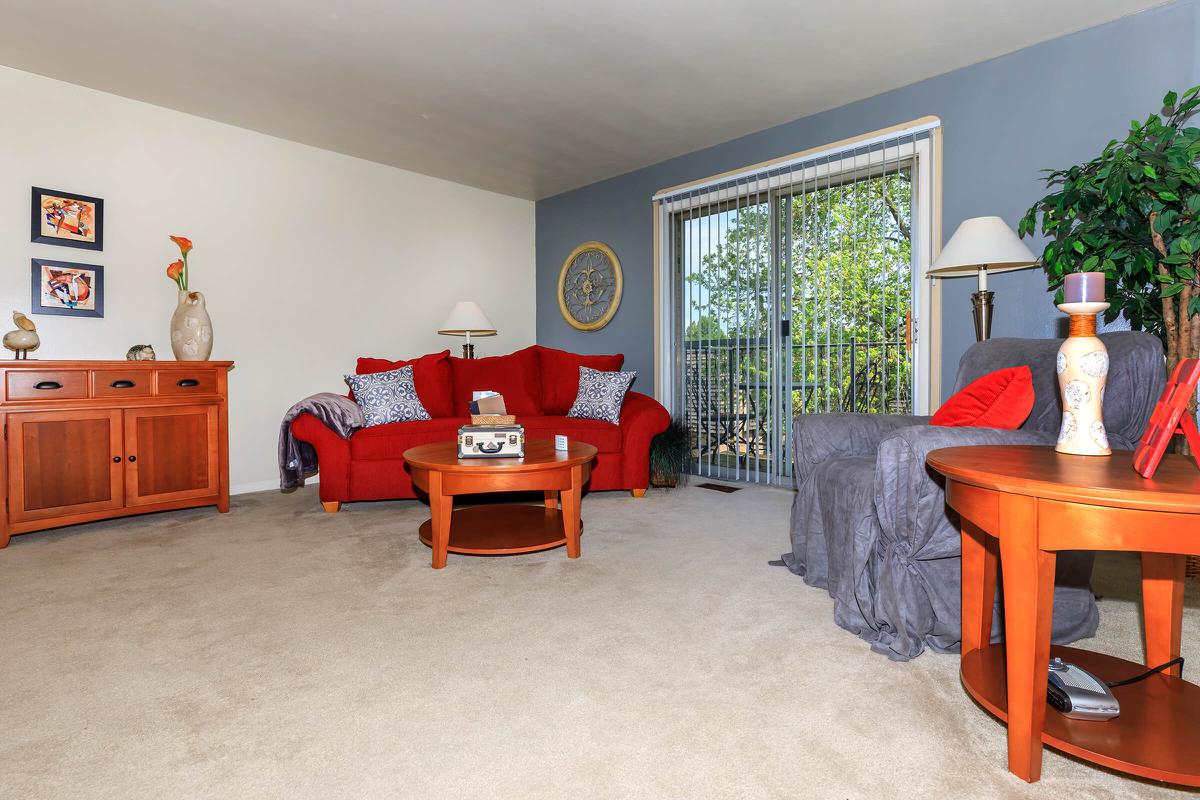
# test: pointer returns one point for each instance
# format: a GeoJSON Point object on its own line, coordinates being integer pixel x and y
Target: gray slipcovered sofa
{"type": "Point", "coordinates": [869, 521]}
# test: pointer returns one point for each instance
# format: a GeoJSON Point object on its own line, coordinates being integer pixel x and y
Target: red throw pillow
{"type": "Point", "coordinates": [1000, 399]}
{"type": "Point", "coordinates": [431, 376]}
{"type": "Point", "coordinates": [515, 376]}
{"type": "Point", "coordinates": [560, 376]}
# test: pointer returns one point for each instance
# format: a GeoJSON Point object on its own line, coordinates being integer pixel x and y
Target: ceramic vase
{"type": "Point", "coordinates": [191, 328]}
{"type": "Point", "coordinates": [1082, 374]}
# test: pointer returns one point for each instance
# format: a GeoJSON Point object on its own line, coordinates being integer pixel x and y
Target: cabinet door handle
{"type": "Point", "coordinates": [132, 459]}
{"type": "Point", "coordinates": [122, 384]}
{"type": "Point", "coordinates": [47, 385]}
{"type": "Point", "coordinates": [116, 459]}
{"type": "Point", "coordinates": [187, 382]}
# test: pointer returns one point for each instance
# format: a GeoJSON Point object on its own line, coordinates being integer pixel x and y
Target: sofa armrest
{"type": "Point", "coordinates": [642, 418]}
{"type": "Point", "coordinates": [909, 495]}
{"type": "Point", "coordinates": [333, 456]}
{"type": "Point", "coordinates": [821, 437]}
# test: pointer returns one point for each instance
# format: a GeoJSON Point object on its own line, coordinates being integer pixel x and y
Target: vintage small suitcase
{"type": "Point", "coordinates": [491, 441]}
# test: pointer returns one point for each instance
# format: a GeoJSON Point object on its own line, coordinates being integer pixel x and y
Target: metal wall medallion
{"type": "Point", "coordinates": [589, 286]}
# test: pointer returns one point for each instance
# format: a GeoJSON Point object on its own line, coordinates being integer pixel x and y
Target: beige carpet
{"type": "Point", "coordinates": [277, 651]}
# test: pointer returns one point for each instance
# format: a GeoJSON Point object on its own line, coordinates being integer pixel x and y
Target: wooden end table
{"type": "Point", "coordinates": [1022, 505]}
{"type": "Point", "coordinates": [501, 529]}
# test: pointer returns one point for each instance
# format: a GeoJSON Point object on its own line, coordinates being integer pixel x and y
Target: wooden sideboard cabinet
{"type": "Point", "coordinates": [89, 440]}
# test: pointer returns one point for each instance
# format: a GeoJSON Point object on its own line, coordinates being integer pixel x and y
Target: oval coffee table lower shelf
{"type": "Point", "coordinates": [501, 530]}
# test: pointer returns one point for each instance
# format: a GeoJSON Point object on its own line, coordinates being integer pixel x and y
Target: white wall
{"type": "Point", "coordinates": [307, 258]}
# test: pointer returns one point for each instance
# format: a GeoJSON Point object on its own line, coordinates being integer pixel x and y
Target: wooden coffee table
{"type": "Point", "coordinates": [508, 528]}
{"type": "Point", "coordinates": [1021, 505]}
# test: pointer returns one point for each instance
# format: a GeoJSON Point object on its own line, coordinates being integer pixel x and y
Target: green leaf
{"type": "Point", "coordinates": [1078, 245]}
{"type": "Point", "coordinates": [1172, 290]}
{"type": "Point", "coordinates": [1170, 98]}
{"type": "Point", "coordinates": [1149, 172]}
{"type": "Point", "coordinates": [1170, 197]}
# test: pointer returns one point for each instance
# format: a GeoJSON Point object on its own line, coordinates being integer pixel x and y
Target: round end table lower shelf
{"type": "Point", "coordinates": [1155, 735]}
{"type": "Point", "coordinates": [501, 530]}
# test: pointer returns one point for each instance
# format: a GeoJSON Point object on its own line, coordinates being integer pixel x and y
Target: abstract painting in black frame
{"type": "Point", "coordinates": [67, 289]}
{"type": "Point", "coordinates": [66, 219]}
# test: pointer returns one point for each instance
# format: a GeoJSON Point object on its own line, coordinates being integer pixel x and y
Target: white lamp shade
{"type": "Point", "coordinates": [467, 318]}
{"type": "Point", "coordinates": [982, 243]}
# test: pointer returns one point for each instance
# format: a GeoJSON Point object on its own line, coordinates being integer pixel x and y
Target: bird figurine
{"type": "Point", "coordinates": [140, 352]}
{"type": "Point", "coordinates": [24, 338]}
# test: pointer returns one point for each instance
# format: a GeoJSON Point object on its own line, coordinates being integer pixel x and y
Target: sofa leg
{"type": "Point", "coordinates": [331, 507]}
{"type": "Point", "coordinates": [638, 492]}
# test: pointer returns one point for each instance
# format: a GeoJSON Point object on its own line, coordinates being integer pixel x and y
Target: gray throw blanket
{"type": "Point", "coordinates": [298, 460]}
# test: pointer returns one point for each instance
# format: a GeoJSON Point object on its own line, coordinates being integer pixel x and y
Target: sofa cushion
{"type": "Point", "coordinates": [601, 394]}
{"type": "Point", "coordinates": [604, 436]}
{"type": "Point", "coordinates": [388, 442]}
{"type": "Point", "coordinates": [560, 375]}
{"type": "Point", "coordinates": [1000, 399]}
{"type": "Point", "coordinates": [515, 376]}
{"type": "Point", "coordinates": [386, 397]}
{"type": "Point", "coordinates": [431, 374]}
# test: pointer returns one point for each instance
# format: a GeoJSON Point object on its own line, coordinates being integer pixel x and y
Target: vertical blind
{"type": "Point", "coordinates": [792, 292]}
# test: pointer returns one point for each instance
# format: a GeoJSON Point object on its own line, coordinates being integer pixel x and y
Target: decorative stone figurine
{"type": "Point", "coordinates": [191, 328]}
{"type": "Point", "coordinates": [140, 352]}
{"type": "Point", "coordinates": [24, 338]}
{"type": "Point", "coordinates": [1083, 368]}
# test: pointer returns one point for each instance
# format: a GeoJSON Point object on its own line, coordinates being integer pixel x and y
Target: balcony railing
{"type": "Point", "coordinates": [734, 410]}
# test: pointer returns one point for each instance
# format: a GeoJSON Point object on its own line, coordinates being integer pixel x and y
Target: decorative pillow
{"type": "Point", "coordinates": [387, 397]}
{"type": "Point", "coordinates": [560, 375]}
{"type": "Point", "coordinates": [601, 395]}
{"type": "Point", "coordinates": [1000, 399]}
{"type": "Point", "coordinates": [431, 374]}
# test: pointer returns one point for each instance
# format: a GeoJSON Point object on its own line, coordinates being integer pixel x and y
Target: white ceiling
{"type": "Point", "coordinates": [521, 97]}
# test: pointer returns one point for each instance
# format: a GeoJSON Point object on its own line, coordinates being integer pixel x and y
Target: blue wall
{"type": "Point", "coordinates": [1051, 105]}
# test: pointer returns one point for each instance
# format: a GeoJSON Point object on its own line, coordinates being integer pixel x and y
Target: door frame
{"type": "Point", "coordinates": [927, 323]}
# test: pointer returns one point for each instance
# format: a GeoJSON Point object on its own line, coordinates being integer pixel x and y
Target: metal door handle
{"type": "Point", "coordinates": [122, 384]}
{"type": "Point", "coordinates": [187, 382]}
{"type": "Point", "coordinates": [47, 385]}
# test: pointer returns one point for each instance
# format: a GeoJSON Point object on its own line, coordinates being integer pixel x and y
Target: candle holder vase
{"type": "Point", "coordinates": [1082, 374]}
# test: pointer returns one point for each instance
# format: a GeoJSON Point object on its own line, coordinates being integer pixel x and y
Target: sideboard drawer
{"type": "Point", "coordinates": [185, 381]}
{"type": "Point", "coordinates": [121, 383]}
{"type": "Point", "coordinates": [45, 384]}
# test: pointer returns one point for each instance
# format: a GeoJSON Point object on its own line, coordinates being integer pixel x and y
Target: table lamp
{"type": "Point", "coordinates": [979, 246]}
{"type": "Point", "coordinates": [465, 319]}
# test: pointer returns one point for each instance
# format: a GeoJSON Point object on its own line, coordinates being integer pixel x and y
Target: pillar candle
{"type": "Point", "coordinates": [1083, 287]}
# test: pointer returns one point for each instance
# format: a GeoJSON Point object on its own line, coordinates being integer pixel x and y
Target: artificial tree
{"type": "Point", "coordinates": [1133, 213]}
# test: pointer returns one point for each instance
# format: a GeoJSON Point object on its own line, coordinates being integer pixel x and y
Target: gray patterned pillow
{"type": "Point", "coordinates": [601, 395]}
{"type": "Point", "coordinates": [387, 396]}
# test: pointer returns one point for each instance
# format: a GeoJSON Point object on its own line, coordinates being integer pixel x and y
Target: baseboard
{"type": "Point", "coordinates": [263, 486]}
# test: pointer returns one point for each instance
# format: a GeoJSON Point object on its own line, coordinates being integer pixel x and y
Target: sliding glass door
{"type": "Point", "coordinates": [797, 291]}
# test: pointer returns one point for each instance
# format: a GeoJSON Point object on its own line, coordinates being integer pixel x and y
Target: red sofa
{"type": "Point", "coordinates": [539, 385]}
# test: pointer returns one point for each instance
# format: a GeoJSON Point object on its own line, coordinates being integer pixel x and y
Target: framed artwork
{"type": "Point", "coordinates": [1169, 418]}
{"type": "Point", "coordinates": [66, 219]}
{"type": "Point", "coordinates": [589, 286]}
{"type": "Point", "coordinates": [67, 289]}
